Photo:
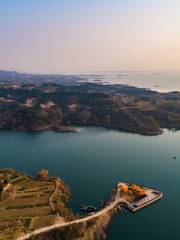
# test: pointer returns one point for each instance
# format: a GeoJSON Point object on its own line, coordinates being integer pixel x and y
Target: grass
{"type": "Point", "coordinates": [27, 222]}
{"type": "Point", "coordinates": [19, 207]}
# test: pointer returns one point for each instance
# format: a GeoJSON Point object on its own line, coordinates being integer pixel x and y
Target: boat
{"type": "Point", "coordinates": [88, 208]}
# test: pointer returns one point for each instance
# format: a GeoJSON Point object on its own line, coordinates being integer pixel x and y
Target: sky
{"type": "Point", "coordinates": [55, 36]}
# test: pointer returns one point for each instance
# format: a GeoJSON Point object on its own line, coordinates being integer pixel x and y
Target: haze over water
{"type": "Point", "coordinates": [162, 81]}
{"type": "Point", "coordinates": [93, 161]}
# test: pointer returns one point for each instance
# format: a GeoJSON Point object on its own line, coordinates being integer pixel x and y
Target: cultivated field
{"type": "Point", "coordinates": [28, 203]}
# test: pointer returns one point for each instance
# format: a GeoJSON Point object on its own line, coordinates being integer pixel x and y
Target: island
{"type": "Point", "coordinates": [36, 208]}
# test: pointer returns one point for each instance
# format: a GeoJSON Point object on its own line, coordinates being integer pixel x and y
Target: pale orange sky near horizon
{"type": "Point", "coordinates": [61, 36]}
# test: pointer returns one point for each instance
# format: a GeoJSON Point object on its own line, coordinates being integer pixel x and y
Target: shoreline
{"type": "Point", "coordinates": [78, 130]}
{"type": "Point", "coordinates": [93, 223]}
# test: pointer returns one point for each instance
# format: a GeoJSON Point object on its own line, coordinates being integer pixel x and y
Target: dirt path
{"type": "Point", "coordinates": [111, 206]}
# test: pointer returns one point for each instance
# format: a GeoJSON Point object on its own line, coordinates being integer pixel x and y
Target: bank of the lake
{"type": "Point", "coordinates": [93, 161]}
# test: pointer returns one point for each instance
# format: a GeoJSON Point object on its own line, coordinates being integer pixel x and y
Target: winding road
{"type": "Point", "coordinates": [102, 212]}
{"type": "Point", "coordinates": [113, 203]}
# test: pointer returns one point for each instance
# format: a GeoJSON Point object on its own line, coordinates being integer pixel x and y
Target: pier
{"type": "Point", "coordinates": [118, 198]}
{"type": "Point", "coordinates": [151, 196]}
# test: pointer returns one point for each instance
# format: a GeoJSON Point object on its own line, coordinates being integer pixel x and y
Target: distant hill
{"type": "Point", "coordinates": [11, 76]}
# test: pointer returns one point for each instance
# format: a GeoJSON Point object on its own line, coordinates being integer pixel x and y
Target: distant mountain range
{"type": "Point", "coordinates": [10, 76]}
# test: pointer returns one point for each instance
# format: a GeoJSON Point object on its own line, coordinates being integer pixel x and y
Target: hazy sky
{"type": "Point", "coordinates": [56, 36]}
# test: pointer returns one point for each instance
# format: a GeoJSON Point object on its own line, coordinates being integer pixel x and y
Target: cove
{"type": "Point", "coordinates": [93, 161]}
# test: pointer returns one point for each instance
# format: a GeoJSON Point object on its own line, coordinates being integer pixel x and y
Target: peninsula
{"type": "Point", "coordinates": [38, 102]}
{"type": "Point", "coordinates": [35, 208]}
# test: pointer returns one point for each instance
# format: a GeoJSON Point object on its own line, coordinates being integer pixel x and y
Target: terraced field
{"type": "Point", "coordinates": [28, 203]}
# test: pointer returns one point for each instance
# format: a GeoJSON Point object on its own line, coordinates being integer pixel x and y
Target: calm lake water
{"type": "Point", "coordinates": [93, 161]}
{"type": "Point", "coordinates": [162, 81]}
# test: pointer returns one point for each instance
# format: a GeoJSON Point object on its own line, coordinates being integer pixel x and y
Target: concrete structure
{"type": "Point", "coordinates": [114, 202]}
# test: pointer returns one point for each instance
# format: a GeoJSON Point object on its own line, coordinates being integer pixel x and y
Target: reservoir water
{"type": "Point", "coordinates": [93, 161]}
{"type": "Point", "coordinates": [162, 81]}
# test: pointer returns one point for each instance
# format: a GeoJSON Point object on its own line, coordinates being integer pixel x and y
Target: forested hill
{"type": "Point", "coordinates": [42, 106]}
